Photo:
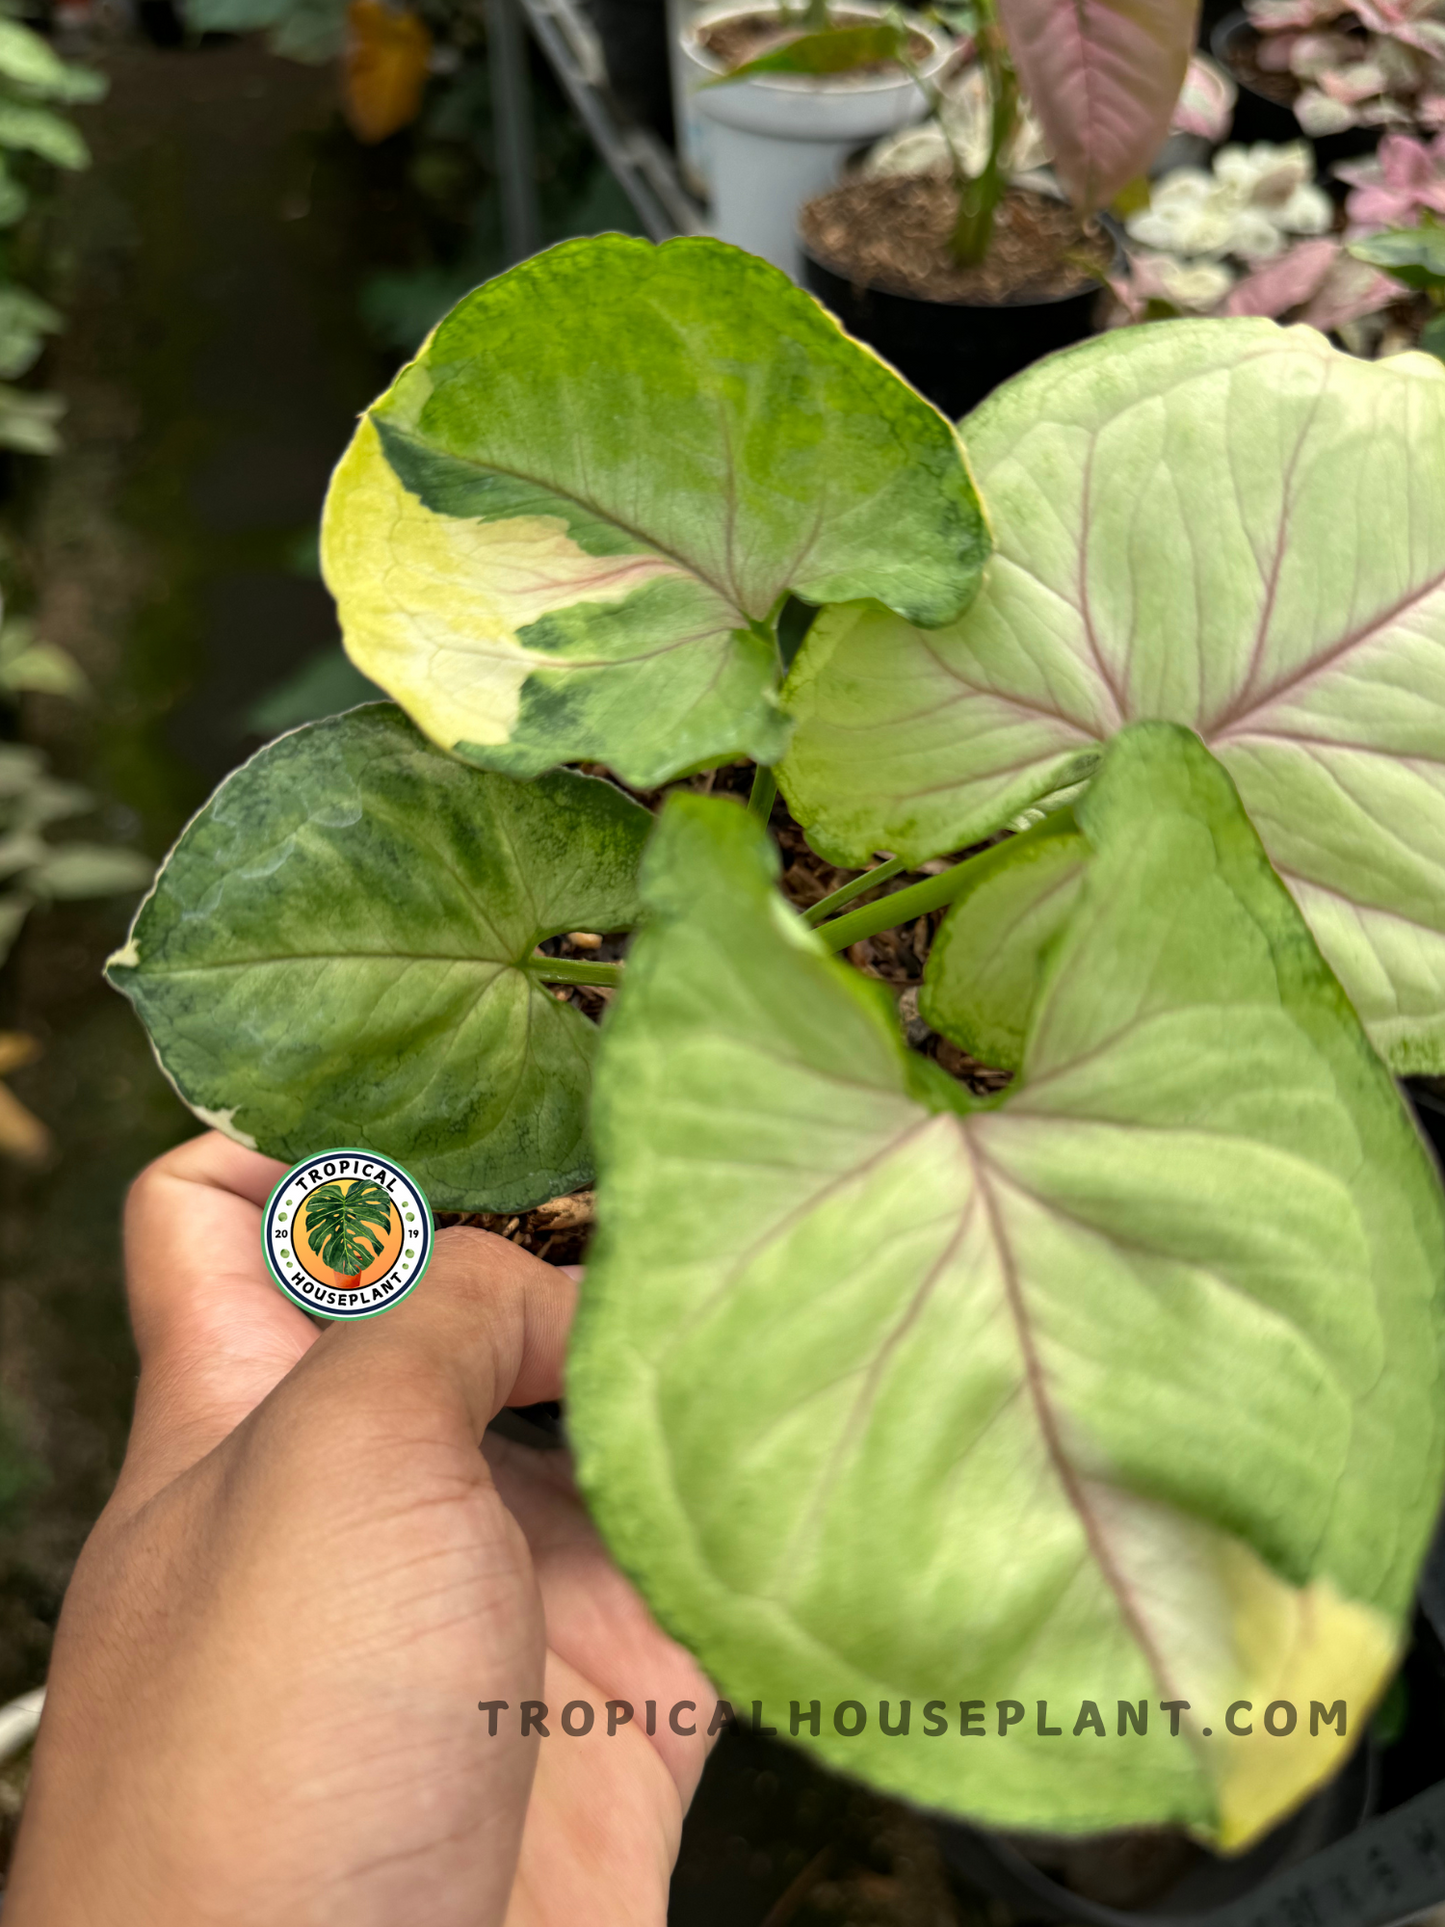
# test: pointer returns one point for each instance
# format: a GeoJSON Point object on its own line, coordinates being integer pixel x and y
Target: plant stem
{"type": "Point", "coordinates": [900, 906]}
{"type": "Point", "coordinates": [816, 19]}
{"type": "Point", "coordinates": [765, 788]}
{"type": "Point", "coordinates": [570, 970]}
{"type": "Point", "coordinates": [880, 873]}
{"type": "Point", "coordinates": [978, 199]}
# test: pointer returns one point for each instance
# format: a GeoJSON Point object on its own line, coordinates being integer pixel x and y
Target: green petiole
{"type": "Point", "coordinates": [572, 970]}
{"type": "Point", "coordinates": [765, 788]}
{"type": "Point", "coordinates": [902, 906]}
{"type": "Point", "coordinates": [830, 905]}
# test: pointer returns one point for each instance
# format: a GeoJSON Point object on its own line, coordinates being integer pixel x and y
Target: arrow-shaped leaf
{"type": "Point", "coordinates": [565, 530]}
{"type": "Point", "coordinates": [1103, 77]}
{"type": "Point", "coordinates": [340, 950]}
{"type": "Point", "coordinates": [987, 960]}
{"type": "Point", "coordinates": [1225, 524]}
{"type": "Point", "coordinates": [1121, 1388]}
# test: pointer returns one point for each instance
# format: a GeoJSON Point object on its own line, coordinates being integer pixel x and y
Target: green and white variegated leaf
{"type": "Point", "coordinates": [566, 530]}
{"type": "Point", "coordinates": [1124, 1386]}
{"type": "Point", "coordinates": [25, 320]}
{"type": "Point", "coordinates": [987, 961]}
{"type": "Point", "coordinates": [31, 63]}
{"type": "Point", "coordinates": [28, 420]}
{"type": "Point", "coordinates": [339, 950]}
{"type": "Point", "coordinates": [1220, 523]}
{"type": "Point", "coordinates": [36, 130]}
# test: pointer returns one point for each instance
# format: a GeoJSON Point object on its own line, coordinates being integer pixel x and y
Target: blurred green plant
{"type": "Point", "coordinates": [33, 81]}
{"type": "Point", "coordinates": [324, 685]}
{"type": "Point", "coordinates": [30, 665]}
{"type": "Point", "coordinates": [20, 1471]}
{"type": "Point", "coordinates": [34, 870]}
{"type": "Point", "coordinates": [309, 30]}
{"type": "Point", "coordinates": [1415, 257]}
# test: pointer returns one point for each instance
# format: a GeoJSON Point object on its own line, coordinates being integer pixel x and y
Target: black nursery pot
{"type": "Point", "coordinates": [951, 351]}
{"type": "Point", "coordinates": [1367, 1851]}
{"type": "Point", "coordinates": [1256, 118]}
{"type": "Point", "coordinates": [1219, 1892]}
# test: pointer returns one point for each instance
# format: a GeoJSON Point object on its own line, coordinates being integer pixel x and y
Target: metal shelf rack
{"type": "Point", "coordinates": [644, 168]}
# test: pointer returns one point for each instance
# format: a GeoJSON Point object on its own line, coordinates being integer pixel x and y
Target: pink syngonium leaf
{"type": "Point", "coordinates": [1349, 290]}
{"type": "Point", "coordinates": [1206, 101]}
{"type": "Point", "coordinates": [1285, 283]}
{"type": "Point", "coordinates": [1395, 187]}
{"type": "Point", "coordinates": [1411, 22]}
{"type": "Point", "coordinates": [1102, 77]}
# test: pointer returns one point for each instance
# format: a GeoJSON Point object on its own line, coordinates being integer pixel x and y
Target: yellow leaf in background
{"type": "Point", "coordinates": [385, 69]}
{"type": "Point", "coordinates": [16, 1050]}
{"type": "Point", "coordinates": [1132, 198]}
{"type": "Point", "coordinates": [22, 1135]}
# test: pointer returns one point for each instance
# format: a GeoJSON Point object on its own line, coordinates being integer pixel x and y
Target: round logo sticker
{"type": "Point", "coordinates": [347, 1233]}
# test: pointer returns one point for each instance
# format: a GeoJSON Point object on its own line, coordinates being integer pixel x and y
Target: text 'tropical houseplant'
{"type": "Point", "coordinates": [1119, 1385]}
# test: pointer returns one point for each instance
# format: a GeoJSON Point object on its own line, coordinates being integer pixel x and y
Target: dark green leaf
{"type": "Point", "coordinates": [348, 1224]}
{"type": "Point", "coordinates": [341, 950]}
{"type": "Point", "coordinates": [837, 50]}
{"type": "Point", "coordinates": [1413, 256]}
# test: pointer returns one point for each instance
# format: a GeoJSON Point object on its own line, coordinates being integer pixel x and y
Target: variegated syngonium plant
{"type": "Point", "coordinates": [567, 532]}
{"type": "Point", "coordinates": [1119, 1387]}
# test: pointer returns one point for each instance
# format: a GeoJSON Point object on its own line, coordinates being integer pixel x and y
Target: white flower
{"type": "Point", "coordinates": [1308, 210]}
{"type": "Point", "coordinates": [1186, 215]}
{"type": "Point", "coordinates": [1197, 286]}
{"type": "Point", "coordinates": [1265, 171]}
{"type": "Point", "coordinates": [1254, 236]}
{"type": "Point", "coordinates": [1247, 209]}
{"type": "Point", "coordinates": [1319, 115]}
{"type": "Point", "coordinates": [1253, 198]}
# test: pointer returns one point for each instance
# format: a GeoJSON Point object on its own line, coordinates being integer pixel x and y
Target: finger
{"type": "Point", "coordinates": [213, 1332]}
{"type": "Point", "coordinates": [596, 1621]}
{"type": "Point", "coordinates": [603, 1825]}
{"type": "Point", "coordinates": [486, 1327]}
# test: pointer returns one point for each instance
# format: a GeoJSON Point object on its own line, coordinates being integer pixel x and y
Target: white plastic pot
{"type": "Point", "coordinates": [771, 144]}
{"type": "Point", "coordinates": [689, 123]}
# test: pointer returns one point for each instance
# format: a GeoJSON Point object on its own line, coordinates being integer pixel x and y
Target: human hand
{"type": "Point", "coordinates": [263, 1698]}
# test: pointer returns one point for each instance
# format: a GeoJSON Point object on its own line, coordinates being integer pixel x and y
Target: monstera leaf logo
{"type": "Point", "coordinates": [348, 1224]}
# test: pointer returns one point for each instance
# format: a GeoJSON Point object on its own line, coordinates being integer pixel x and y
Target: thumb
{"type": "Point", "coordinates": [487, 1325]}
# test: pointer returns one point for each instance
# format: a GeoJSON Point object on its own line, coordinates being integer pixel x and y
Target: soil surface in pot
{"type": "Point", "coordinates": [893, 232]}
{"type": "Point", "coordinates": [747, 36]}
